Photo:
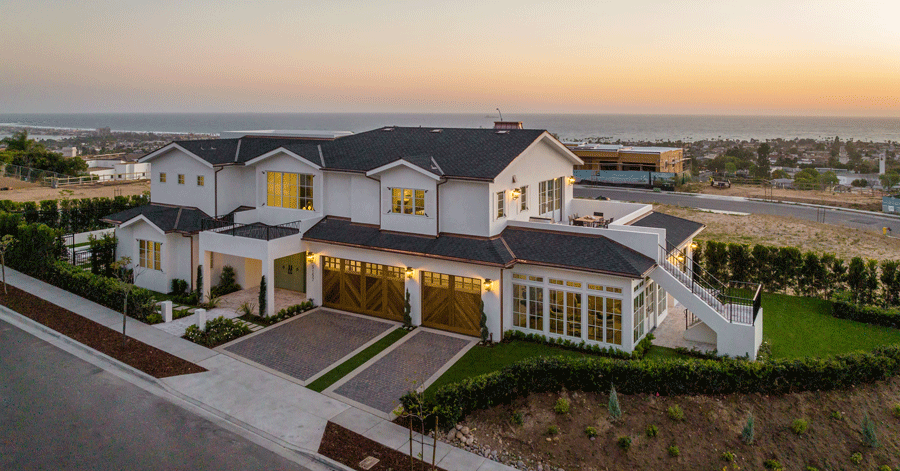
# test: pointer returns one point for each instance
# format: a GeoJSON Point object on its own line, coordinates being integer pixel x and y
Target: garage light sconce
{"type": "Point", "coordinates": [410, 272]}
{"type": "Point", "coordinates": [516, 193]}
{"type": "Point", "coordinates": [571, 180]}
{"type": "Point", "coordinates": [310, 257]}
{"type": "Point", "coordinates": [694, 246]}
{"type": "Point", "coordinates": [488, 284]}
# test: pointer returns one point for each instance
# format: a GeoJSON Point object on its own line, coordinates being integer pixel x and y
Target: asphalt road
{"type": "Point", "coordinates": [831, 216]}
{"type": "Point", "coordinates": [60, 412]}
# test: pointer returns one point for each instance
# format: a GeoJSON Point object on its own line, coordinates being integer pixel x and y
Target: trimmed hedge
{"type": "Point", "coordinates": [669, 377]}
{"type": "Point", "coordinates": [886, 317]}
{"type": "Point", "coordinates": [100, 289]}
{"type": "Point", "coordinates": [283, 314]}
{"type": "Point", "coordinates": [639, 351]}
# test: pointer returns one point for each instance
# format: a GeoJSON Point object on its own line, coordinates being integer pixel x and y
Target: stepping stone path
{"type": "Point", "coordinates": [251, 325]}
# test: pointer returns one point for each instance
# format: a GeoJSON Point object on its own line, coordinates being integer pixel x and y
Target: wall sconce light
{"type": "Point", "coordinates": [694, 246]}
{"type": "Point", "coordinates": [516, 193]}
{"type": "Point", "coordinates": [410, 272]}
{"type": "Point", "coordinates": [571, 180]}
{"type": "Point", "coordinates": [310, 257]}
{"type": "Point", "coordinates": [680, 257]}
{"type": "Point", "coordinates": [488, 284]}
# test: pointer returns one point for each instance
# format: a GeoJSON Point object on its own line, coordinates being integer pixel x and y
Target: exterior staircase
{"type": "Point", "coordinates": [733, 311]}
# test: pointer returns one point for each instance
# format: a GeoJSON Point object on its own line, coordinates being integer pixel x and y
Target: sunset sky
{"type": "Point", "coordinates": [650, 57]}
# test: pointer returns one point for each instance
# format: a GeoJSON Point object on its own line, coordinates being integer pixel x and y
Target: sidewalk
{"type": "Point", "coordinates": [248, 397]}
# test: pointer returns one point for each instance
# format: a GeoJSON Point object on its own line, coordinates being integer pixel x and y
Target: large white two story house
{"type": "Point", "coordinates": [460, 220]}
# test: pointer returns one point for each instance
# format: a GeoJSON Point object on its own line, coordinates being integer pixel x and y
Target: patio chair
{"type": "Point", "coordinates": [571, 220]}
{"type": "Point", "coordinates": [577, 223]}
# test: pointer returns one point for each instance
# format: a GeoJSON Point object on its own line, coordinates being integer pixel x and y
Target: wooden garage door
{"type": "Point", "coordinates": [365, 288]}
{"type": "Point", "coordinates": [451, 303]}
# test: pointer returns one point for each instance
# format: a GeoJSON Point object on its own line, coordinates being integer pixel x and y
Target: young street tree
{"type": "Point", "coordinates": [126, 278]}
{"type": "Point", "coordinates": [5, 243]}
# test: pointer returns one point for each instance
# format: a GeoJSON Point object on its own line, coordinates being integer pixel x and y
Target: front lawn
{"type": "Point", "coordinates": [481, 360]}
{"type": "Point", "coordinates": [799, 327]}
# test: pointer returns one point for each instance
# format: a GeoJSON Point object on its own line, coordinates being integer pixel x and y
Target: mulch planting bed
{"type": "Point", "coordinates": [351, 449]}
{"type": "Point", "coordinates": [134, 353]}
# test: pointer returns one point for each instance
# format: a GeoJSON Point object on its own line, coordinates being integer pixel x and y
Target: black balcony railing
{"type": "Point", "coordinates": [736, 301]}
{"type": "Point", "coordinates": [256, 230]}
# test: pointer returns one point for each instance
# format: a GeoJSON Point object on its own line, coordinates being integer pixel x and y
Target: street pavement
{"type": "Point", "coordinates": [58, 411]}
{"type": "Point", "coordinates": [856, 220]}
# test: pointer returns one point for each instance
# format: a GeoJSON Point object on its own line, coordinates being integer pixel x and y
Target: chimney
{"type": "Point", "coordinates": [508, 125]}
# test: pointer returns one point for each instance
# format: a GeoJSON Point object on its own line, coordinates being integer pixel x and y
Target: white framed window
{"type": "Point", "coordinates": [290, 190]}
{"type": "Point", "coordinates": [199, 180]}
{"type": "Point", "coordinates": [162, 177]}
{"type": "Point", "coordinates": [150, 254]}
{"type": "Point", "coordinates": [523, 198]}
{"type": "Point", "coordinates": [501, 204]}
{"type": "Point", "coordinates": [549, 195]}
{"type": "Point", "coordinates": [181, 179]}
{"type": "Point", "coordinates": [408, 201]}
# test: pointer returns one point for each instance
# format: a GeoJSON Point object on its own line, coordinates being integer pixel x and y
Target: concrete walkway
{"type": "Point", "coordinates": [253, 399]}
{"type": "Point", "coordinates": [670, 332]}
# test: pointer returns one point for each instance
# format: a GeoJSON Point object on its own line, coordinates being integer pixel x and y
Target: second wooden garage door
{"type": "Point", "coordinates": [451, 303]}
{"type": "Point", "coordinates": [365, 288]}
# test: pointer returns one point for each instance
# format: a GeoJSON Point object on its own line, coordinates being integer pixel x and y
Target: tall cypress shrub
{"type": "Point", "coordinates": [739, 262]}
{"type": "Point", "coordinates": [762, 265]}
{"type": "Point", "coordinates": [856, 279]}
{"type": "Point", "coordinates": [890, 282]}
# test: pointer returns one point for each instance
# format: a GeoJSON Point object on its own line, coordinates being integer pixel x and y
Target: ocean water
{"type": "Point", "coordinates": [566, 126]}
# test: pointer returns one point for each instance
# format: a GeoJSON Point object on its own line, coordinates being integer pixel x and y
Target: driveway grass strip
{"type": "Point", "coordinates": [346, 367]}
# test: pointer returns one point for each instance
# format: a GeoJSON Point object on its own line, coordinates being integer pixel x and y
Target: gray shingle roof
{"type": "Point", "coordinates": [166, 217]}
{"type": "Point", "coordinates": [678, 230]}
{"type": "Point", "coordinates": [515, 245]}
{"type": "Point", "coordinates": [580, 251]}
{"type": "Point", "coordinates": [459, 152]}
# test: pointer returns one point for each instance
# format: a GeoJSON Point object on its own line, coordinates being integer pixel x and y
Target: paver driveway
{"type": "Point", "coordinates": [310, 344]}
{"type": "Point", "coordinates": [409, 364]}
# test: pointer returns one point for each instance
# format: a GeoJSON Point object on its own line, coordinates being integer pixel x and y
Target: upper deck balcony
{"type": "Point", "coordinates": [256, 230]}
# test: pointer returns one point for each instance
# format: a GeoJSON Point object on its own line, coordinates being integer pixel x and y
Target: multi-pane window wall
{"type": "Point", "coordinates": [592, 314]}
{"type": "Point", "coordinates": [290, 190]}
{"type": "Point", "coordinates": [150, 254]}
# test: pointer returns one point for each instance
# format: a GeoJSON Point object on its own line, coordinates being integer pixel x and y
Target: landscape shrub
{"type": "Point", "coordinates": [869, 432]}
{"type": "Point", "coordinates": [844, 308]}
{"type": "Point", "coordinates": [670, 377]}
{"type": "Point", "coordinates": [552, 430]}
{"type": "Point", "coordinates": [614, 409]}
{"type": "Point", "coordinates": [624, 443]}
{"type": "Point", "coordinates": [748, 434]}
{"type": "Point", "coordinates": [188, 299]}
{"type": "Point", "coordinates": [154, 318]}
{"type": "Point", "coordinates": [773, 464]}
{"type": "Point", "coordinates": [727, 456]}
{"type": "Point", "coordinates": [218, 331]}
{"type": "Point", "coordinates": [103, 253]}
{"type": "Point", "coordinates": [673, 451]}
{"type": "Point", "coordinates": [179, 287]}
{"type": "Point", "coordinates": [561, 406]}
{"type": "Point", "coordinates": [799, 426]}
{"type": "Point", "coordinates": [518, 418]}
{"type": "Point", "coordinates": [227, 283]}
{"type": "Point", "coordinates": [591, 432]}
{"type": "Point", "coordinates": [640, 350]}
{"type": "Point", "coordinates": [286, 313]}
{"type": "Point", "coordinates": [652, 430]}
{"type": "Point", "coordinates": [856, 458]}
{"type": "Point", "coordinates": [895, 411]}
{"type": "Point", "coordinates": [675, 413]}
{"type": "Point", "coordinates": [73, 215]}
{"type": "Point", "coordinates": [263, 297]}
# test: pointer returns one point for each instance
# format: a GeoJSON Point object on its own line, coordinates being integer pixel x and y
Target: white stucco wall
{"type": "Point", "coordinates": [542, 161]}
{"type": "Point", "coordinates": [236, 188]}
{"type": "Point", "coordinates": [176, 162]}
{"type": "Point", "coordinates": [338, 194]}
{"type": "Point", "coordinates": [405, 177]}
{"type": "Point", "coordinates": [285, 163]}
{"type": "Point", "coordinates": [365, 203]}
{"type": "Point", "coordinates": [465, 208]}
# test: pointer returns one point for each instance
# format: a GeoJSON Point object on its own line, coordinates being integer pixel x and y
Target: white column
{"type": "Point", "coordinates": [201, 319]}
{"type": "Point", "coordinates": [415, 296]}
{"type": "Point", "coordinates": [166, 310]}
{"type": "Point", "coordinates": [270, 286]}
{"type": "Point", "coordinates": [207, 275]}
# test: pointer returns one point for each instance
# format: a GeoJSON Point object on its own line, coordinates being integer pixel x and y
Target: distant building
{"type": "Point", "coordinates": [69, 151]}
{"type": "Point", "coordinates": [618, 157]}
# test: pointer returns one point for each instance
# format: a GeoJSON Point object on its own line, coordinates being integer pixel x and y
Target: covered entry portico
{"type": "Point", "coordinates": [277, 255]}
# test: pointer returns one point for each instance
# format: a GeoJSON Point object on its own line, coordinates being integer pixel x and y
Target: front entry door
{"type": "Point", "coordinates": [290, 272]}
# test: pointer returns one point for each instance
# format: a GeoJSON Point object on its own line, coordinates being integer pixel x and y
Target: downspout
{"type": "Point", "coordinates": [380, 199]}
{"type": "Point", "coordinates": [216, 192]}
{"type": "Point", "coordinates": [191, 263]}
{"type": "Point", "coordinates": [437, 211]}
{"type": "Point", "coordinates": [500, 293]}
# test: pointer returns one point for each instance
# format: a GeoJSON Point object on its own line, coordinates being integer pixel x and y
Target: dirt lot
{"type": "Point", "coordinates": [22, 191]}
{"type": "Point", "coordinates": [859, 199]}
{"type": "Point", "coordinates": [711, 425]}
{"type": "Point", "coordinates": [781, 231]}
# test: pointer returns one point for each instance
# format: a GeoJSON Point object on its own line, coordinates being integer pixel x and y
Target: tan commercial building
{"type": "Point", "coordinates": [618, 157]}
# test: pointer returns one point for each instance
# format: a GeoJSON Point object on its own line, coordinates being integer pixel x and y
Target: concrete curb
{"type": "Point", "coordinates": [741, 198]}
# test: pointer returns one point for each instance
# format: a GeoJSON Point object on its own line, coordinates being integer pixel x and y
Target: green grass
{"type": "Point", "coordinates": [346, 367]}
{"type": "Point", "coordinates": [481, 360]}
{"type": "Point", "coordinates": [803, 327]}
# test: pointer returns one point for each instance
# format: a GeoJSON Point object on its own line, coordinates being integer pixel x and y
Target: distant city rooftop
{"type": "Point", "coordinates": [313, 134]}
{"type": "Point", "coordinates": [619, 148]}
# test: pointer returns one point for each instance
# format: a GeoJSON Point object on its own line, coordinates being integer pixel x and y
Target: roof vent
{"type": "Point", "coordinates": [502, 131]}
{"type": "Point", "coordinates": [388, 129]}
{"type": "Point", "coordinates": [437, 130]}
